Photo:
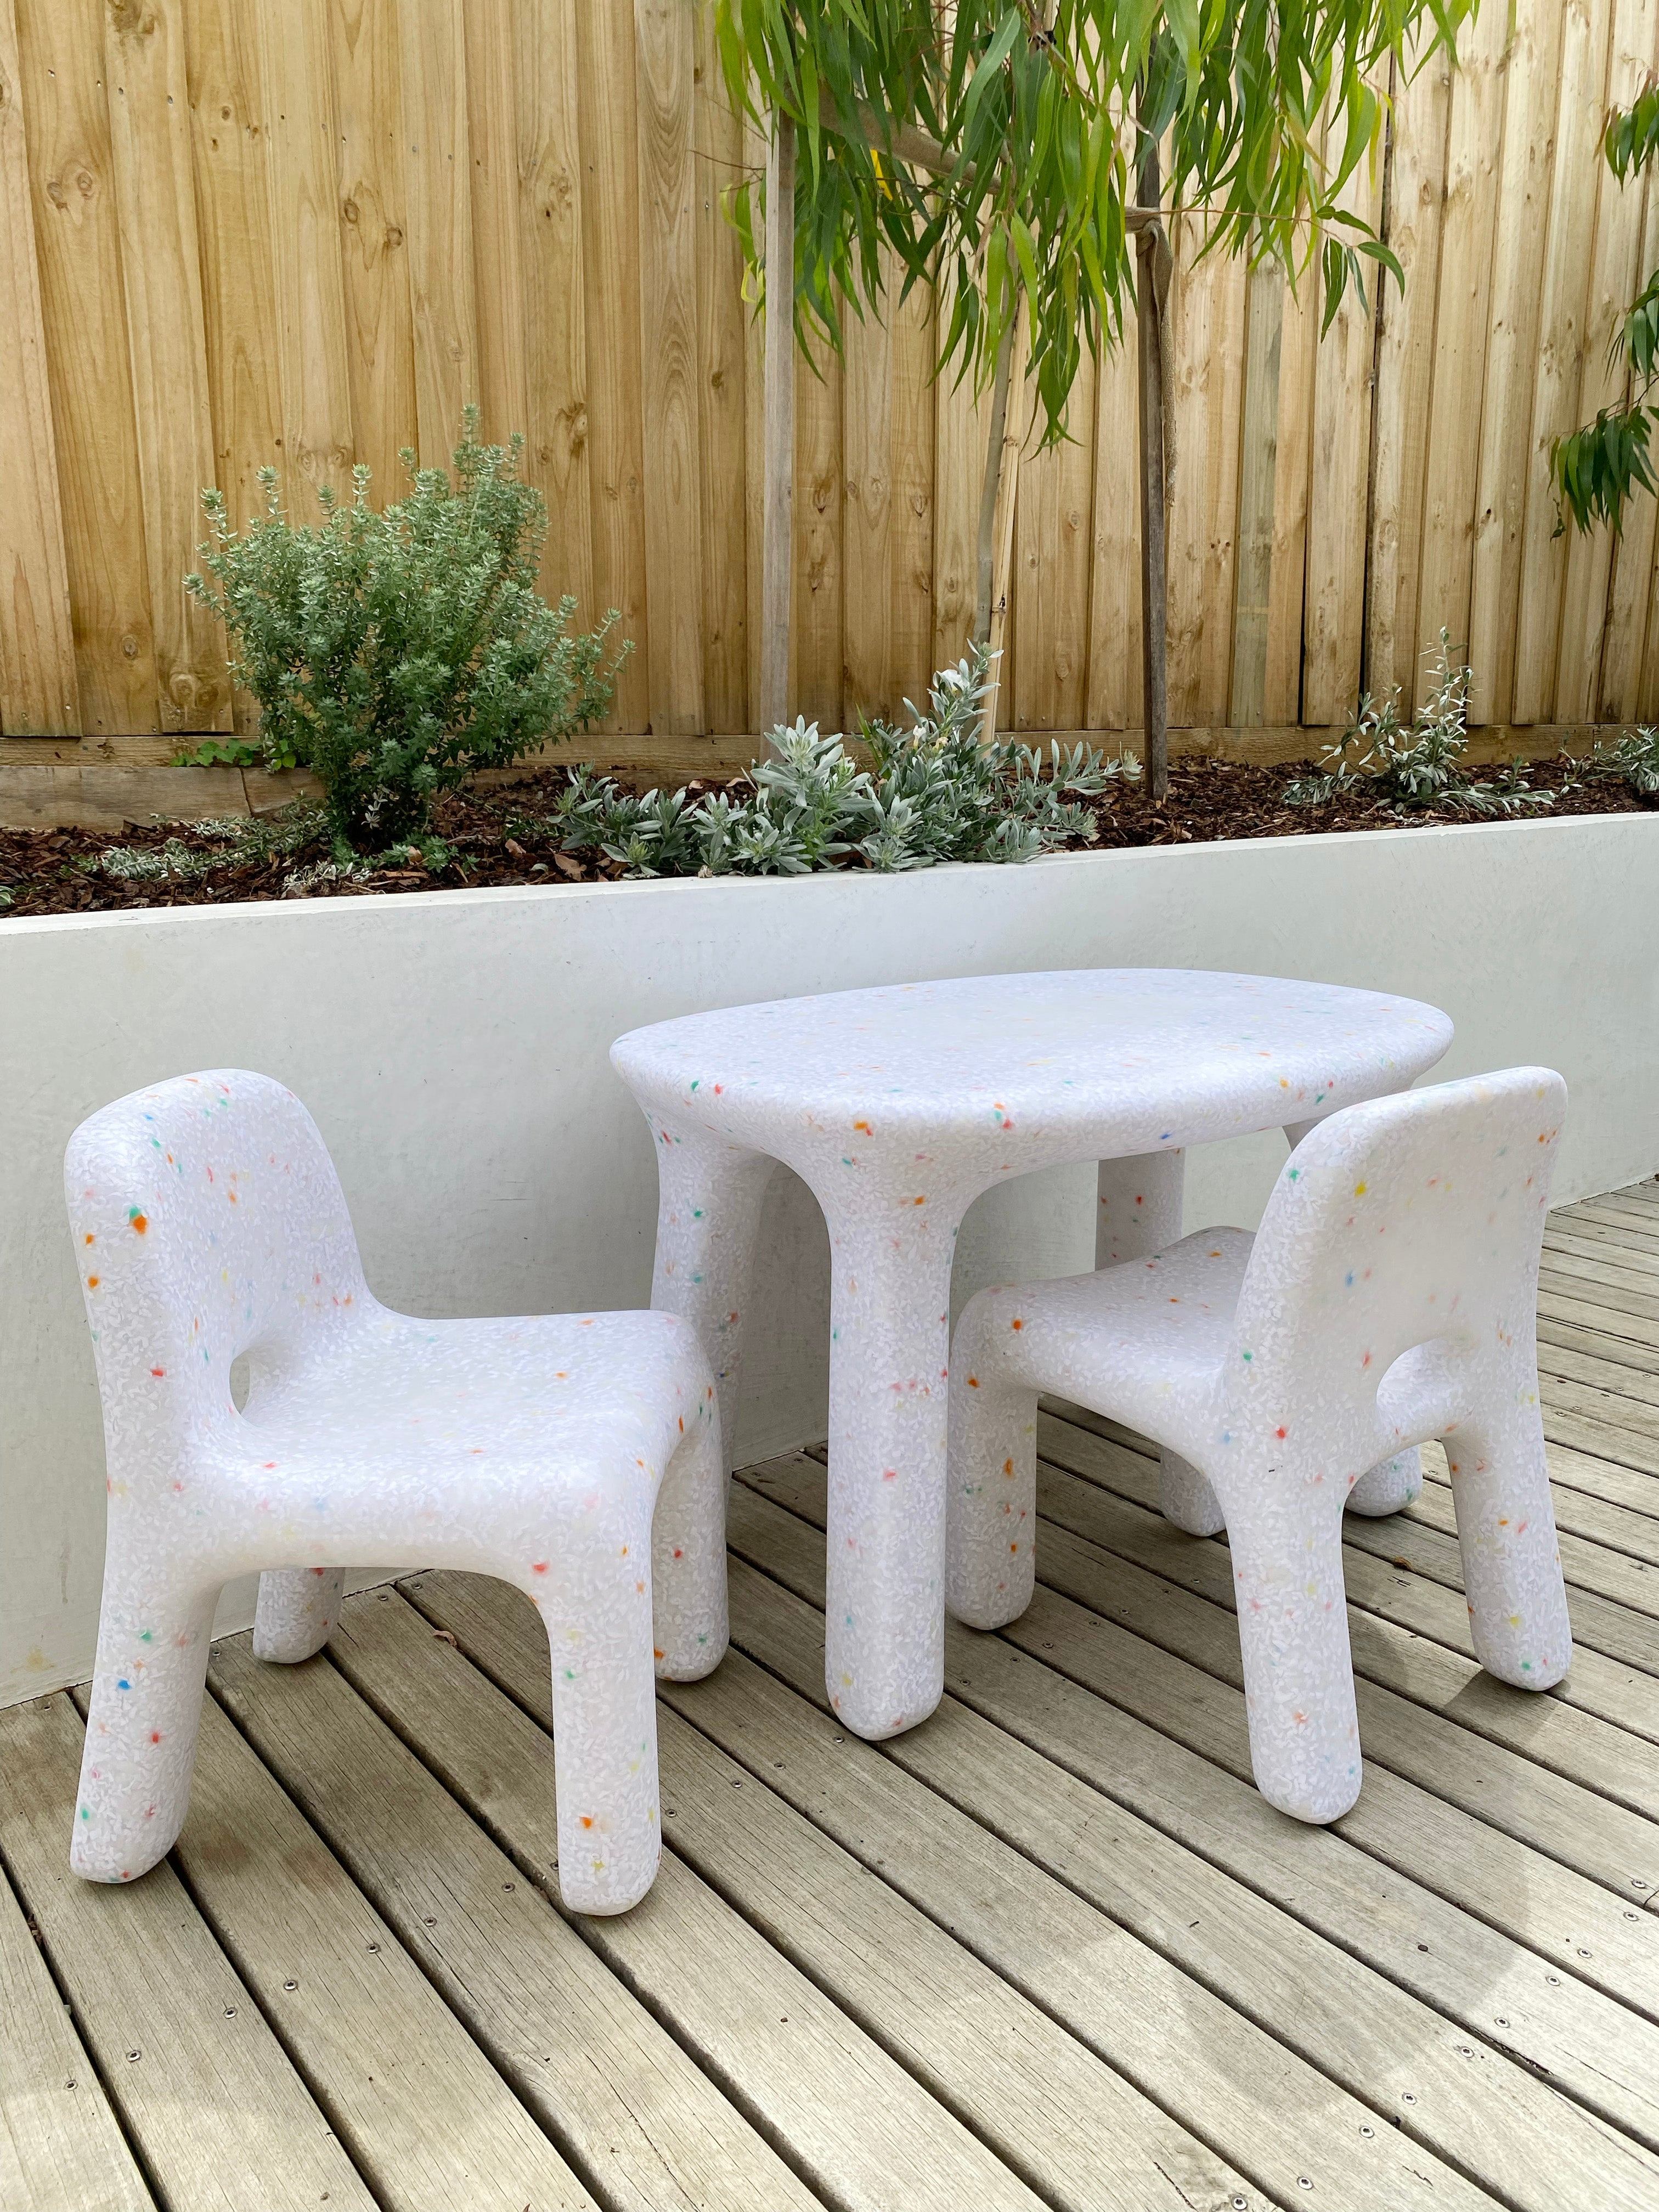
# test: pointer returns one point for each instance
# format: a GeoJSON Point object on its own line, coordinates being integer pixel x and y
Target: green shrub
{"type": "Point", "coordinates": [1634, 756]}
{"type": "Point", "coordinates": [936, 793]}
{"type": "Point", "coordinates": [395, 654]}
{"type": "Point", "coordinates": [1411, 770]}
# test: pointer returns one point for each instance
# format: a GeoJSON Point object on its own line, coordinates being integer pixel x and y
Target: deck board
{"type": "Point", "coordinates": [60, 2143]}
{"type": "Point", "coordinates": [1050, 1948]}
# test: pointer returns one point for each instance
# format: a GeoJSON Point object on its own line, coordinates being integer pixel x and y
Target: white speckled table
{"type": "Point", "coordinates": [897, 1107]}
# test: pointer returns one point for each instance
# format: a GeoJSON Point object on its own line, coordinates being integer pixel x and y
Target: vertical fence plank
{"type": "Point", "coordinates": [817, 685]}
{"type": "Point", "coordinates": [962, 423]}
{"type": "Point", "coordinates": [1559, 372]}
{"type": "Point", "coordinates": [610, 244]}
{"type": "Point", "coordinates": [229, 143]}
{"type": "Point", "coordinates": [1053, 539]}
{"type": "Point", "coordinates": [312, 356]}
{"type": "Point", "coordinates": [1404, 369]}
{"type": "Point", "coordinates": [1614, 275]}
{"type": "Point", "coordinates": [1338, 482]}
{"type": "Point", "coordinates": [1264, 331]}
{"type": "Point", "coordinates": [146, 88]}
{"type": "Point", "coordinates": [1113, 700]}
{"type": "Point", "coordinates": [721, 391]}
{"type": "Point", "coordinates": [368, 114]}
{"type": "Point", "coordinates": [555, 324]}
{"type": "Point", "coordinates": [84, 315]}
{"type": "Point", "coordinates": [1208, 329]}
{"type": "Point", "coordinates": [38, 693]}
{"type": "Point", "coordinates": [1529, 103]}
{"type": "Point", "coordinates": [665, 62]}
{"type": "Point", "coordinates": [1451, 474]}
{"type": "Point", "coordinates": [437, 191]}
{"type": "Point", "coordinates": [492, 137]}
{"type": "Point", "coordinates": [888, 437]}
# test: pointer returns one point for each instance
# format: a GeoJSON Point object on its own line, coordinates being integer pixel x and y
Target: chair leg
{"type": "Point", "coordinates": [1390, 1486]}
{"type": "Point", "coordinates": [1187, 1496]}
{"type": "Point", "coordinates": [142, 1722]}
{"type": "Point", "coordinates": [991, 1509]}
{"type": "Point", "coordinates": [1507, 1536]}
{"type": "Point", "coordinates": [598, 1616]}
{"type": "Point", "coordinates": [688, 1554]}
{"type": "Point", "coordinates": [1293, 1639]}
{"type": "Point", "coordinates": [298, 1610]}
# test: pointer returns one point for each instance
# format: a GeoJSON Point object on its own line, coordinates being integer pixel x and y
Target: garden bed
{"type": "Point", "coordinates": [506, 834]}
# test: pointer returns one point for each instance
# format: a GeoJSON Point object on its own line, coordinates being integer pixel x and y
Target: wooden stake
{"type": "Point", "coordinates": [776, 534]}
{"type": "Point", "coordinates": [1154, 570]}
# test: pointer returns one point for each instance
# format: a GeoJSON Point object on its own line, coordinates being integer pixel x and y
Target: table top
{"type": "Point", "coordinates": [1106, 1061]}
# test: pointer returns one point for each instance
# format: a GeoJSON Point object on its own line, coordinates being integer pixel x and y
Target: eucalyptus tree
{"type": "Point", "coordinates": [1009, 155]}
{"type": "Point", "coordinates": [1601, 466]}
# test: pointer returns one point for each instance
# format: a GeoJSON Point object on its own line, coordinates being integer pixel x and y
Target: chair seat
{"type": "Point", "coordinates": [464, 1421]}
{"type": "Point", "coordinates": [1141, 1341]}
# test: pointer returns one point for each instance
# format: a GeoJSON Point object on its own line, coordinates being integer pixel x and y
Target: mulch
{"type": "Point", "coordinates": [1208, 800]}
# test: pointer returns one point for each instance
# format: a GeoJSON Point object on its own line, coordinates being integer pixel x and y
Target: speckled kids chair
{"type": "Point", "coordinates": [576, 1456]}
{"type": "Point", "coordinates": [1389, 1296]}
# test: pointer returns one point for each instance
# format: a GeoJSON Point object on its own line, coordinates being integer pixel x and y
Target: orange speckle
{"type": "Point", "coordinates": [1013, 1547]}
{"type": "Point", "coordinates": [1008, 1466]}
{"type": "Point", "coordinates": [657, 1653]}
{"type": "Point", "coordinates": [1279, 1432]}
{"type": "Point", "coordinates": [973, 1382]}
{"type": "Point", "coordinates": [587, 1820]}
{"type": "Point", "coordinates": [158, 1372]}
{"type": "Point", "coordinates": [1016, 1324]}
{"type": "Point", "coordinates": [917, 1201]}
{"type": "Point", "coordinates": [865, 1126]}
{"type": "Point", "coordinates": [231, 1195]}
{"type": "Point", "coordinates": [93, 1281]}
{"type": "Point", "coordinates": [90, 1239]}
{"type": "Point", "coordinates": [140, 1223]}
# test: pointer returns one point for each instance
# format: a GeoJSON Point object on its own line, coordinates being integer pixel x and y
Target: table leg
{"type": "Point", "coordinates": [890, 1344]}
{"type": "Point", "coordinates": [1138, 1211]}
{"type": "Point", "coordinates": [708, 1204]}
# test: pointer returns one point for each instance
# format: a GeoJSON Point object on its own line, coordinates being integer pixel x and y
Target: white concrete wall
{"type": "Point", "coordinates": [452, 1049]}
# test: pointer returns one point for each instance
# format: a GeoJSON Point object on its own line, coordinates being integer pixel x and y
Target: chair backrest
{"type": "Point", "coordinates": [1405, 1222]}
{"type": "Point", "coordinates": [208, 1221]}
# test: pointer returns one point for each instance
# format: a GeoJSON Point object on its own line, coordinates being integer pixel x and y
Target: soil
{"type": "Point", "coordinates": [47, 871]}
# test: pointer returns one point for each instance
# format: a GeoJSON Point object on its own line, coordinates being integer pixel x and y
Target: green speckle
{"type": "Point", "coordinates": [1247, 1355]}
{"type": "Point", "coordinates": [147, 1636]}
{"type": "Point", "coordinates": [86, 1812]}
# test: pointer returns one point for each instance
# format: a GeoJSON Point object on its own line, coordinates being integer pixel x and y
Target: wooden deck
{"type": "Point", "coordinates": [1049, 1949]}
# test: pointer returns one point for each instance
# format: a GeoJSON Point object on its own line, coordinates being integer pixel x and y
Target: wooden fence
{"type": "Point", "coordinates": [307, 231]}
